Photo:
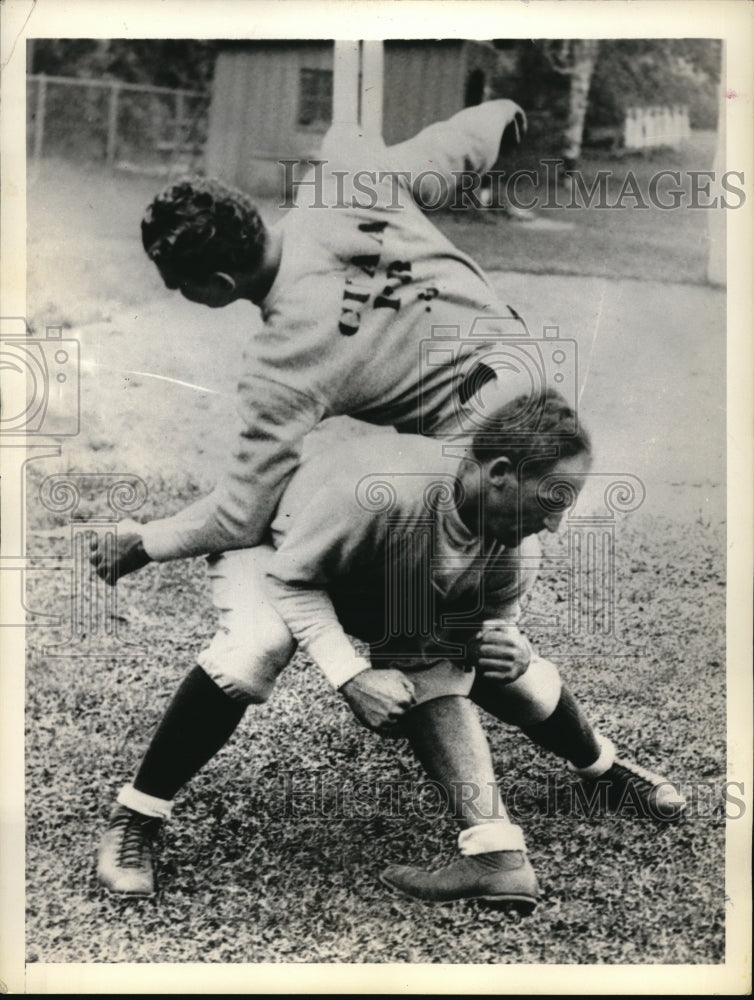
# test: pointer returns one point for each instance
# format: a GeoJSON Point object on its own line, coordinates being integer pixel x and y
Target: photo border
{"type": "Point", "coordinates": [731, 20]}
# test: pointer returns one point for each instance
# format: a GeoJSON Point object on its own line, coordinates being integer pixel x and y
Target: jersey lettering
{"type": "Point", "coordinates": [366, 263]}
{"type": "Point", "coordinates": [375, 229]}
{"type": "Point", "coordinates": [361, 270]}
{"type": "Point", "coordinates": [398, 273]}
{"type": "Point", "coordinates": [350, 316]}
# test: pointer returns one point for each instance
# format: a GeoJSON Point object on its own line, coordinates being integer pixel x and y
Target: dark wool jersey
{"type": "Point", "coordinates": [369, 543]}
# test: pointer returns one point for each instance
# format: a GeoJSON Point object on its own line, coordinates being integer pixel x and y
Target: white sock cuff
{"type": "Point", "coordinates": [496, 836]}
{"type": "Point", "coordinates": [603, 763]}
{"type": "Point", "coordinates": [148, 805]}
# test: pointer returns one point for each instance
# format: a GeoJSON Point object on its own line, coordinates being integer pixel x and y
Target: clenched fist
{"type": "Point", "coordinates": [378, 698]}
{"type": "Point", "coordinates": [502, 652]}
{"type": "Point", "coordinates": [126, 555]}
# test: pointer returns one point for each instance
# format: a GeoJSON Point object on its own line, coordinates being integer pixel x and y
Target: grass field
{"type": "Point", "coordinates": [650, 244]}
{"type": "Point", "coordinates": [264, 860]}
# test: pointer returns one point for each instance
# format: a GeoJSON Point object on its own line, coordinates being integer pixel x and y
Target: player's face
{"type": "Point", "coordinates": [516, 506]}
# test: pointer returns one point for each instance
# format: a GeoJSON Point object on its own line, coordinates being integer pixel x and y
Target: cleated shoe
{"type": "Point", "coordinates": [500, 878]}
{"type": "Point", "coordinates": [124, 860]}
{"type": "Point", "coordinates": [630, 787]}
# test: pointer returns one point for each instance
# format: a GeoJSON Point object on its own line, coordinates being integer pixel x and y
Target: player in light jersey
{"type": "Point", "coordinates": [361, 529]}
{"type": "Point", "coordinates": [350, 289]}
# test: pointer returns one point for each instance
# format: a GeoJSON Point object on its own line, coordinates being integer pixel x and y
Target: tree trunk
{"type": "Point", "coordinates": [584, 56]}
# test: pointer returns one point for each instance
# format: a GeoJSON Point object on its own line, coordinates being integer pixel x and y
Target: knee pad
{"type": "Point", "coordinates": [247, 668]}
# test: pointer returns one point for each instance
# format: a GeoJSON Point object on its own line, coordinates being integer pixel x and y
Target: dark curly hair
{"type": "Point", "coordinates": [539, 430]}
{"type": "Point", "coordinates": [198, 225]}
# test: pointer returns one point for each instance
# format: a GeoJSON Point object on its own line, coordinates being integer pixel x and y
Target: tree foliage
{"type": "Point", "coordinates": [628, 71]}
{"type": "Point", "coordinates": [664, 71]}
{"type": "Point", "coordinates": [632, 71]}
{"type": "Point", "coordinates": [164, 62]}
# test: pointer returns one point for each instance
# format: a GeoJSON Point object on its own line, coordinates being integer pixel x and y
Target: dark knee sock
{"type": "Point", "coordinates": [567, 732]}
{"type": "Point", "coordinates": [197, 723]}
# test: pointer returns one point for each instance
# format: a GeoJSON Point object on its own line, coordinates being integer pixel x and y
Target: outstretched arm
{"type": "Point", "coordinates": [471, 142]}
{"type": "Point", "coordinates": [237, 513]}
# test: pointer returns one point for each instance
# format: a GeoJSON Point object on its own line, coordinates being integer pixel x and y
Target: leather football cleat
{"type": "Point", "coordinates": [124, 860]}
{"type": "Point", "coordinates": [498, 878]}
{"type": "Point", "coordinates": [634, 789]}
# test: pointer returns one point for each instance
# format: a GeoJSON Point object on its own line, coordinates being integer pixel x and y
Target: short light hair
{"type": "Point", "coordinates": [198, 225]}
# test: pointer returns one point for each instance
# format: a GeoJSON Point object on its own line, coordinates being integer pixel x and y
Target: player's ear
{"type": "Point", "coordinates": [224, 282]}
{"type": "Point", "coordinates": [499, 469]}
{"type": "Point", "coordinates": [172, 282]}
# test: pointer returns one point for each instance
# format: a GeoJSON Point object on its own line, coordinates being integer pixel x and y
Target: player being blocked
{"type": "Point", "coordinates": [335, 549]}
{"type": "Point", "coordinates": [348, 296]}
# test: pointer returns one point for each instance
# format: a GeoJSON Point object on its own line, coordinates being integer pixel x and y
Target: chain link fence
{"type": "Point", "coordinates": [126, 125]}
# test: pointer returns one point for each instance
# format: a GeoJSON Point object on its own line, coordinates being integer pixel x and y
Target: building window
{"type": "Point", "coordinates": [315, 97]}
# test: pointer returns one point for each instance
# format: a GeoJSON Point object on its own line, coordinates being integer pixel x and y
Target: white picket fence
{"type": "Point", "coordinates": [656, 125]}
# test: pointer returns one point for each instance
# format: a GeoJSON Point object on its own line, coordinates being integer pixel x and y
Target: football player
{"type": "Point", "coordinates": [461, 536]}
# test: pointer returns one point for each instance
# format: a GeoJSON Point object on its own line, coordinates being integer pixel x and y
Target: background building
{"type": "Point", "coordinates": [272, 100]}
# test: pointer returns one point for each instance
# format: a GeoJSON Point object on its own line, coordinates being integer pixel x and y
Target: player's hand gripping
{"type": "Point", "coordinates": [378, 698]}
{"type": "Point", "coordinates": [112, 561]}
{"type": "Point", "coordinates": [502, 652]}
